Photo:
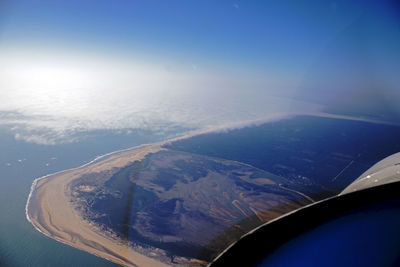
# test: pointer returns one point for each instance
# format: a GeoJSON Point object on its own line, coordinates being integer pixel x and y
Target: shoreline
{"type": "Point", "coordinates": [48, 209]}
{"type": "Point", "coordinates": [38, 182]}
{"type": "Point", "coordinates": [161, 143]}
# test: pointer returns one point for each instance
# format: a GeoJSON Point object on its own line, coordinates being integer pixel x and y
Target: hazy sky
{"type": "Point", "coordinates": [69, 66]}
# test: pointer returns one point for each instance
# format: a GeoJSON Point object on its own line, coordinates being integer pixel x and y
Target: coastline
{"type": "Point", "coordinates": [36, 180]}
{"type": "Point", "coordinates": [48, 209]}
{"type": "Point", "coordinates": [96, 243]}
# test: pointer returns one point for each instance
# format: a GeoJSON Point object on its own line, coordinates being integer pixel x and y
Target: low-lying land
{"type": "Point", "coordinates": [152, 206]}
{"type": "Point", "coordinates": [183, 201]}
{"type": "Point", "coordinates": [50, 210]}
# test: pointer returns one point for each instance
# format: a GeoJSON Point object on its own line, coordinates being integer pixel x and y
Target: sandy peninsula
{"type": "Point", "coordinates": [50, 211]}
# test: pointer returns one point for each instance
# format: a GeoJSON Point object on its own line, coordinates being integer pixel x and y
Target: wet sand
{"type": "Point", "coordinates": [50, 210]}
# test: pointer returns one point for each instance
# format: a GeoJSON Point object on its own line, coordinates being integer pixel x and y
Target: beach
{"type": "Point", "coordinates": [51, 212]}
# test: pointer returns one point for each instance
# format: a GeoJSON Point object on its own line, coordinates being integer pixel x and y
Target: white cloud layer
{"type": "Point", "coordinates": [51, 100]}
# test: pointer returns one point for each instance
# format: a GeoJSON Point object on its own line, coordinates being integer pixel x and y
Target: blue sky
{"type": "Point", "coordinates": [344, 55]}
{"type": "Point", "coordinates": [266, 34]}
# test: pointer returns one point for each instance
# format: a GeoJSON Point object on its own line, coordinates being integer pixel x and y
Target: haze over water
{"type": "Point", "coordinates": [66, 68]}
{"type": "Point", "coordinates": [83, 78]}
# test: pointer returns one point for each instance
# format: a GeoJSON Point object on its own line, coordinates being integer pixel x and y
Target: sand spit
{"type": "Point", "coordinates": [50, 211]}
